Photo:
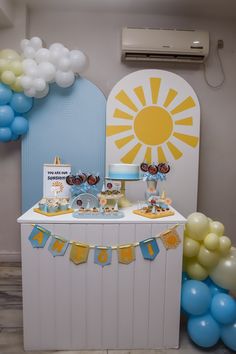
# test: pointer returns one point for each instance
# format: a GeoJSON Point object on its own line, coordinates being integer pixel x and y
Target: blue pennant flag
{"type": "Point", "coordinates": [149, 248]}
{"type": "Point", "coordinates": [39, 236]}
{"type": "Point", "coordinates": [102, 255]}
{"type": "Point", "coordinates": [58, 247]}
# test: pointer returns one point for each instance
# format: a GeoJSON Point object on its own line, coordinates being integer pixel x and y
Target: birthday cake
{"type": "Point", "coordinates": [123, 171]}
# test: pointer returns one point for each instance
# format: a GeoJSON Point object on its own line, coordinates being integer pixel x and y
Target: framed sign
{"type": "Point", "coordinates": [54, 180]}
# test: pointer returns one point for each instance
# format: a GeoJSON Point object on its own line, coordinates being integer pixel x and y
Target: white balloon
{"type": "Point", "coordinates": [55, 56]}
{"type": "Point", "coordinates": [36, 43]}
{"type": "Point", "coordinates": [66, 51]}
{"type": "Point", "coordinates": [24, 43]}
{"type": "Point", "coordinates": [42, 55]}
{"type": "Point", "coordinates": [78, 61]}
{"type": "Point", "coordinates": [41, 94]}
{"type": "Point", "coordinates": [28, 62]}
{"type": "Point", "coordinates": [32, 71]}
{"type": "Point", "coordinates": [26, 82]}
{"type": "Point", "coordinates": [56, 46]}
{"type": "Point", "coordinates": [64, 79]}
{"type": "Point", "coordinates": [64, 64]}
{"type": "Point", "coordinates": [47, 71]}
{"type": "Point", "coordinates": [30, 92]}
{"type": "Point", "coordinates": [39, 84]}
{"type": "Point", "coordinates": [29, 52]}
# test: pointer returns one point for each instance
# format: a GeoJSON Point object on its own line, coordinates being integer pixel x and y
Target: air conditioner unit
{"type": "Point", "coordinates": [146, 44]}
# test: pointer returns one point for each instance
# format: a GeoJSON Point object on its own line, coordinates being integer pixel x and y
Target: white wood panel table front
{"type": "Point", "coordinates": [69, 307]}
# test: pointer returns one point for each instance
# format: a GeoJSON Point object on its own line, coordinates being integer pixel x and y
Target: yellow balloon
{"type": "Point", "coordinates": [224, 274]}
{"type": "Point", "coordinates": [208, 258]}
{"type": "Point", "coordinates": [9, 54]}
{"type": "Point", "coordinates": [16, 67]}
{"type": "Point", "coordinates": [224, 245]}
{"type": "Point", "coordinates": [8, 77]}
{"type": "Point", "coordinates": [197, 226]}
{"type": "Point", "coordinates": [217, 228]}
{"type": "Point", "coordinates": [196, 270]}
{"type": "Point", "coordinates": [190, 247]}
{"type": "Point", "coordinates": [17, 86]}
{"type": "Point", "coordinates": [3, 64]}
{"type": "Point", "coordinates": [211, 241]}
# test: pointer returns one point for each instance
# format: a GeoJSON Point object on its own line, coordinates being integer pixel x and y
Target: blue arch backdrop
{"type": "Point", "coordinates": [69, 123]}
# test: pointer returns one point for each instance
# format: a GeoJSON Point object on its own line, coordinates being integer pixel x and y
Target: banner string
{"type": "Point", "coordinates": [115, 247]}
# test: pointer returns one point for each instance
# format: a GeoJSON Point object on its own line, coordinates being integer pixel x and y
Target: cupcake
{"type": "Point", "coordinates": [43, 204]}
{"type": "Point", "coordinates": [64, 205]}
{"type": "Point", "coordinates": [52, 207]}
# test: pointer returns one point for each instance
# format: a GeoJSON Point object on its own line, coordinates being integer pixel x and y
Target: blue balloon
{"type": "Point", "coordinates": [185, 277]}
{"type": "Point", "coordinates": [15, 137]}
{"type": "Point", "coordinates": [5, 134]}
{"type": "Point", "coordinates": [228, 336]}
{"type": "Point", "coordinates": [19, 125]}
{"type": "Point", "coordinates": [203, 330]}
{"type": "Point", "coordinates": [6, 116]}
{"type": "Point", "coordinates": [195, 297]}
{"type": "Point", "coordinates": [223, 309]}
{"type": "Point", "coordinates": [21, 103]}
{"type": "Point", "coordinates": [214, 289]}
{"type": "Point", "coordinates": [5, 94]}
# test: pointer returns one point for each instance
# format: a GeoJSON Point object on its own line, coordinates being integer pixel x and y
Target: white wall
{"type": "Point", "coordinates": [98, 35]}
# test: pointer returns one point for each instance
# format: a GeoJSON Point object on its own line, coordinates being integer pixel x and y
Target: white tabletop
{"type": "Point", "coordinates": [35, 218]}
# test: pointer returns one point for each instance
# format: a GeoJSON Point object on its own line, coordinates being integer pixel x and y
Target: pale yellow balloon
{"type": "Point", "coordinates": [224, 274]}
{"type": "Point", "coordinates": [8, 77]}
{"type": "Point", "coordinates": [17, 86]}
{"type": "Point", "coordinates": [196, 270]}
{"type": "Point", "coordinates": [3, 64]}
{"type": "Point", "coordinates": [16, 67]}
{"type": "Point", "coordinates": [224, 245]}
{"type": "Point", "coordinates": [211, 241]}
{"type": "Point", "coordinates": [190, 247]}
{"type": "Point", "coordinates": [217, 228]}
{"type": "Point", "coordinates": [197, 226]}
{"type": "Point", "coordinates": [208, 258]}
{"type": "Point", "coordinates": [9, 54]}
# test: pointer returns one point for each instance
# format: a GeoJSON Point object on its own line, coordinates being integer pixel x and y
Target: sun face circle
{"type": "Point", "coordinates": [153, 125]}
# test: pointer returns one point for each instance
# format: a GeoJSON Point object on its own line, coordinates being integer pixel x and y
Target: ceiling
{"type": "Point", "coordinates": [206, 8]}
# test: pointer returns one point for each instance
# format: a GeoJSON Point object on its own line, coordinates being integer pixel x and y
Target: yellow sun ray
{"type": "Point", "coordinates": [170, 97]}
{"type": "Point", "coordinates": [125, 100]}
{"type": "Point", "coordinates": [174, 150]}
{"type": "Point", "coordinates": [155, 83]}
{"type": "Point", "coordinates": [187, 139]}
{"type": "Point", "coordinates": [148, 155]}
{"type": "Point", "coordinates": [121, 114]}
{"type": "Point", "coordinates": [184, 121]}
{"type": "Point", "coordinates": [161, 155]}
{"type": "Point", "coordinates": [130, 156]}
{"type": "Point", "coordinates": [140, 94]}
{"type": "Point", "coordinates": [116, 129]}
{"type": "Point", "coordinates": [122, 142]}
{"type": "Point", "coordinates": [184, 105]}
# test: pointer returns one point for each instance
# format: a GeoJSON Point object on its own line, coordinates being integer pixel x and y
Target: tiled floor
{"type": "Point", "coordinates": [11, 339]}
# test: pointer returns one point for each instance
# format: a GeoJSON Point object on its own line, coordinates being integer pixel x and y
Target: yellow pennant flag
{"type": "Point", "coordinates": [126, 254]}
{"type": "Point", "coordinates": [79, 253]}
{"type": "Point", "coordinates": [170, 239]}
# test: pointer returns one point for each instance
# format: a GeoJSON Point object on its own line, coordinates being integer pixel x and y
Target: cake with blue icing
{"type": "Point", "coordinates": [123, 171]}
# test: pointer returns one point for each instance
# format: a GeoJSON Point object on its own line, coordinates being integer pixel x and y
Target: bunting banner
{"type": "Point", "coordinates": [79, 251]}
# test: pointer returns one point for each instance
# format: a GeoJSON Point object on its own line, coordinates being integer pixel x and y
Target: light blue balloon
{"type": "Point", "coordinates": [5, 94]}
{"type": "Point", "coordinates": [15, 137]}
{"type": "Point", "coordinates": [19, 125]}
{"type": "Point", "coordinates": [5, 135]}
{"type": "Point", "coordinates": [195, 297]}
{"type": "Point", "coordinates": [21, 103]}
{"type": "Point", "coordinates": [228, 336]}
{"type": "Point", "coordinates": [223, 309]}
{"type": "Point", "coordinates": [214, 289]}
{"type": "Point", "coordinates": [6, 115]}
{"type": "Point", "coordinates": [203, 330]}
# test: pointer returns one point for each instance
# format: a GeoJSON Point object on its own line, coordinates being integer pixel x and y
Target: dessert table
{"type": "Point", "coordinates": [86, 306]}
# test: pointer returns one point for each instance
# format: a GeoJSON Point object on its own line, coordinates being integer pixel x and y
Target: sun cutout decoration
{"type": "Point", "coordinates": [151, 120]}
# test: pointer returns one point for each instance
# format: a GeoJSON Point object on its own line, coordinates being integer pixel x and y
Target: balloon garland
{"type": "Point", "coordinates": [209, 263]}
{"type": "Point", "coordinates": [28, 75]}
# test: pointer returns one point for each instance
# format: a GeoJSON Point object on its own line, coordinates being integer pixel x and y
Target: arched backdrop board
{"type": "Point", "coordinates": [69, 123]}
{"type": "Point", "coordinates": [154, 115]}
